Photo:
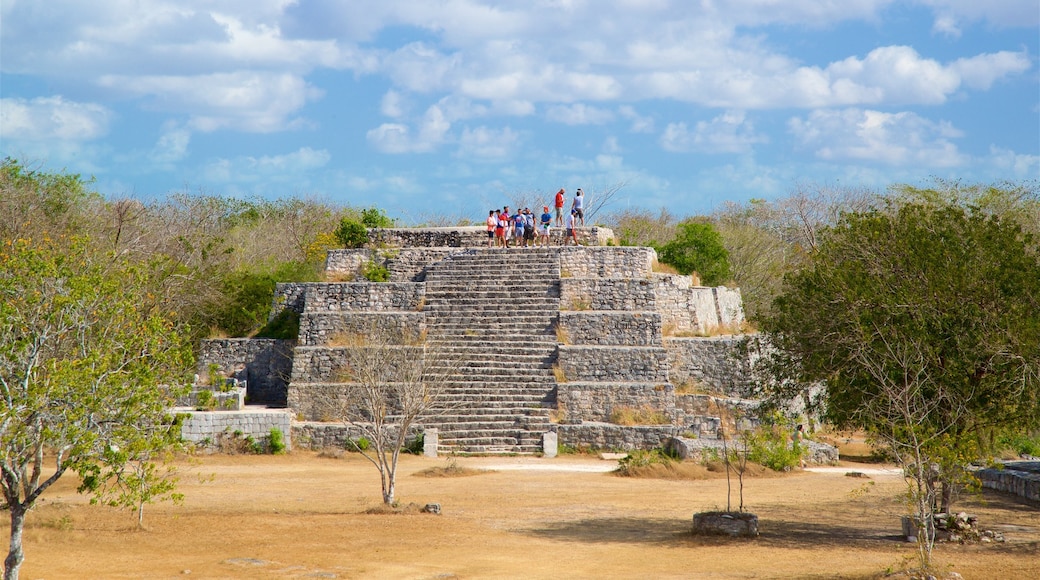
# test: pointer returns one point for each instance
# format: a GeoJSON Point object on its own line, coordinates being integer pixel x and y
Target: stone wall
{"type": "Point", "coordinates": [730, 305]}
{"type": "Point", "coordinates": [364, 296]}
{"type": "Point", "coordinates": [611, 328]}
{"type": "Point", "coordinates": [717, 364]}
{"type": "Point", "coordinates": [606, 262]}
{"type": "Point", "coordinates": [613, 364]}
{"type": "Point", "coordinates": [324, 364]}
{"type": "Point", "coordinates": [606, 436]}
{"type": "Point", "coordinates": [317, 329]}
{"type": "Point", "coordinates": [290, 296]}
{"type": "Point", "coordinates": [596, 402]}
{"type": "Point", "coordinates": [1021, 478]}
{"type": "Point", "coordinates": [204, 427]}
{"type": "Point", "coordinates": [683, 306]}
{"type": "Point", "coordinates": [317, 436]}
{"type": "Point", "coordinates": [267, 365]}
{"type": "Point", "coordinates": [607, 294]}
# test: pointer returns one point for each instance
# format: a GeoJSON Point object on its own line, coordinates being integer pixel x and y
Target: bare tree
{"type": "Point", "coordinates": [389, 385]}
{"type": "Point", "coordinates": [596, 199]}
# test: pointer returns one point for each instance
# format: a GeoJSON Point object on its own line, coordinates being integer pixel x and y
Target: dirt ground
{"type": "Point", "coordinates": [303, 516]}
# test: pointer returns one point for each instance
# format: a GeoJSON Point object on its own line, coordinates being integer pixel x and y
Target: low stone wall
{"type": "Point", "coordinates": [607, 294]}
{"type": "Point", "coordinates": [410, 264]}
{"type": "Point", "coordinates": [606, 436]}
{"type": "Point", "coordinates": [315, 436]}
{"type": "Point", "coordinates": [606, 262]}
{"type": "Point", "coordinates": [716, 364]}
{"type": "Point", "coordinates": [693, 449]}
{"type": "Point", "coordinates": [613, 364]}
{"type": "Point", "coordinates": [204, 427]}
{"type": "Point", "coordinates": [683, 306]}
{"type": "Point", "coordinates": [703, 414]}
{"type": "Point", "coordinates": [730, 305]}
{"type": "Point", "coordinates": [364, 296]}
{"type": "Point", "coordinates": [317, 329]}
{"type": "Point", "coordinates": [611, 328]}
{"type": "Point", "coordinates": [265, 364]}
{"type": "Point", "coordinates": [1021, 478]}
{"type": "Point", "coordinates": [596, 402]}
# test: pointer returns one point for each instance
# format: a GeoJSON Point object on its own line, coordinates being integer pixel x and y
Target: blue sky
{"type": "Point", "coordinates": [450, 107]}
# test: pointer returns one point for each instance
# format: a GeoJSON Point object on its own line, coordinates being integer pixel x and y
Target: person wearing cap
{"type": "Point", "coordinates": [578, 206]}
{"type": "Point", "coordinates": [571, 233]}
{"type": "Point", "coordinates": [544, 230]}
{"type": "Point", "coordinates": [500, 229]}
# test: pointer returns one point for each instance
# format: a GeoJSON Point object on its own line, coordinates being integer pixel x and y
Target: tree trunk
{"type": "Point", "coordinates": [13, 562]}
{"type": "Point", "coordinates": [947, 497]}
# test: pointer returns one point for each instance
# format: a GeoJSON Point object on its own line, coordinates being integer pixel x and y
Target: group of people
{"type": "Point", "coordinates": [524, 230]}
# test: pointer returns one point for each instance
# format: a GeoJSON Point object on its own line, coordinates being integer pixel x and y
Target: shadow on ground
{"type": "Point", "coordinates": [656, 531]}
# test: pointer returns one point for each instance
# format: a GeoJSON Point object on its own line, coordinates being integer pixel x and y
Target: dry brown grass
{"type": "Point", "coordinates": [301, 516]}
{"type": "Point", "coordinates": [452, 469]}
{"type": "Point", "coordinates": [645, 415]}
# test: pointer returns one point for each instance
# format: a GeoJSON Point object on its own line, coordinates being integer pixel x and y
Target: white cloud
{"type": "Point", "coordinates": [730, 132]}
{"type": "Point", "coordinates": [487, 143]}
{"type": "Point", "coordinates": [579, 114]}
{"type": "Point", "coordinates": [1022, 166]}
{"type": "Point", "coordinates": [281, 168]}
{"type": "Point", "coordinates": [980, 72]}
{"type": "Point", "coordinates": [640, 123]}
{"type": "Point", "coordinates": [172, 145]}
{"type": "Point", "coordinates": [393, 105]}
{"type": "Point", "coordinates": [897, 139]}
{"type": "Point", "coordinates": [257, 102]}
{"type": "Point", "coordinates": [52, 118]}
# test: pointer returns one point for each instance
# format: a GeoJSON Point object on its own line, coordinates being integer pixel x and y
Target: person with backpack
{"type": "Point", "coordinates": [529, 230]}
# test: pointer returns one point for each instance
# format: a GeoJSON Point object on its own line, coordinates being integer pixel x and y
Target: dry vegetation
{"type": "Point", "coordinates": [305, 516]}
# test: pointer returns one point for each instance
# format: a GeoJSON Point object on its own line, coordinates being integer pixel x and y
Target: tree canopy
{"type": "Point", "coordinates": [698, 248]}
{"type": "Point", "coordinates": [922, 321]}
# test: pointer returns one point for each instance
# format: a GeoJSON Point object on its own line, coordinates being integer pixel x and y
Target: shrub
{"type": "Point", "coordinates": [374, 272]}
{"type": "Point", "coordinates": [636, 459]}
{"type": "Point", "coordinates": [374, 217]}
{"type": "Point", "coordinates": [351, 233]}
{"type": "Point", "coordinates": [771, 447]}
{"type": "Point", "coordinates": [415, 446]}
{"type": "Point", "coordinates": [359, 444]}
{"type": "Point", "coordinates": [205, 401]}
{"type": "Point", "coordinates": [276, 441]}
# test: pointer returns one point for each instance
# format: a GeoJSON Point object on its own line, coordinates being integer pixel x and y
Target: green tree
{"type": "Point", "coordinates": [698, 248]}
{"type": "Point", "coordinates": [84, 370]}
{"type": "Point", "coordinates": [374, 217]}
{"type": "Point", "coordinates": [351, 233]}
{"type": "Point", "coordinates": [923, 324]}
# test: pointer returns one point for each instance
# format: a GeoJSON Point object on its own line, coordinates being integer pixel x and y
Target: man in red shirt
{"type": "Point", "coordinates": [559, 208]}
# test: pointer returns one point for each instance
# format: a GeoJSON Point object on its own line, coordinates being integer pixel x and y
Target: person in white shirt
{"type": "Point", "coordinates": [578, 206]}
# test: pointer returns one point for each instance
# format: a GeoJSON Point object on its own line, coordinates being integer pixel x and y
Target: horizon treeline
{"type": "Point", "coordinates": [217, 258]}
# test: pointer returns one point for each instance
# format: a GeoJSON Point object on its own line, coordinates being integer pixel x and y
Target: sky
{"type": "Point", "coordinates": [452, 107]}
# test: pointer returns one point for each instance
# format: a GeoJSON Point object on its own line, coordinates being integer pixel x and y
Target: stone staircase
{"type": "Point", "coordinates": [491, 316]}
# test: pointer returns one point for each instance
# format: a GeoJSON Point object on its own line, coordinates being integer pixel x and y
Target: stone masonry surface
{"type": "Point", "coordinates": [596, 402]}
{"type": "Point", "coordinates": [712, 364]}
{"type": "Point", "coordinates": [607, 294]}
{"type": "Point", "coordinates": [621, 364]}
{"type": "Point", "coordinates": [267, 362]}
{"type": "Point", "coordinates": [205, 426]}
{"type": "Point", "coordinates": [611, 328]}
